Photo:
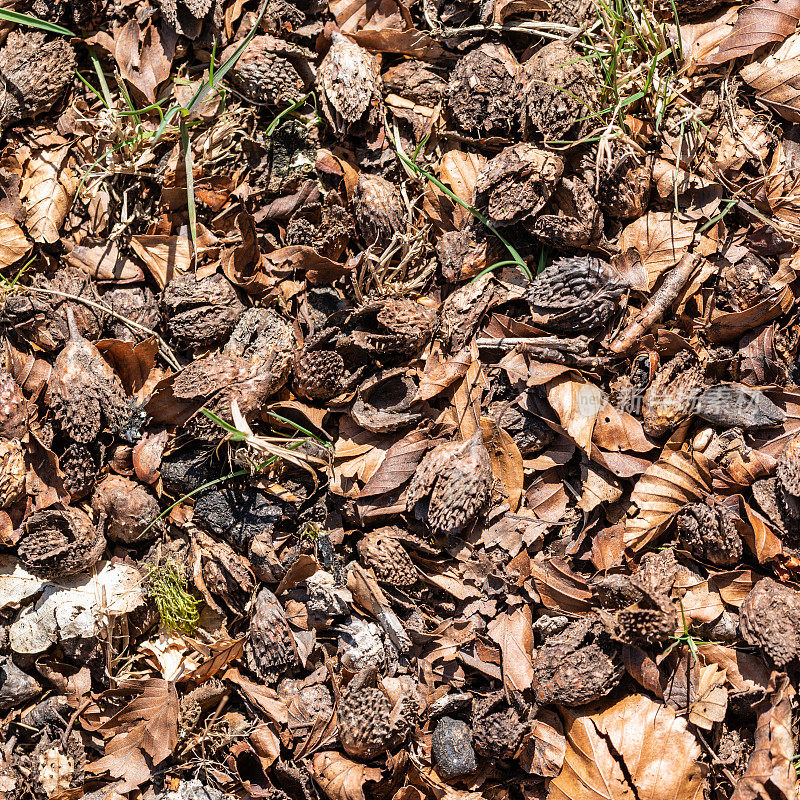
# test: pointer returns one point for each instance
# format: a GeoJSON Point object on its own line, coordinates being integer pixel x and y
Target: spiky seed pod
{"type": "Point", "coordinates": [709, 533]}
{"type": "Point", "coordinates": [12, 472]}
{"type": "Point", "coordinates": [57, 765]}
{"type": "Point", "coordinates": [578, 665]}
{"type": "Point", "coordinates": [187, 16]}
{"type": "Point", "coordinates": [200, 313]}
{"type": "Point", "coordinates": [388, 558]}
{"type": "Point", "coordinates": [318, 374]}
{"type": "Point", "coordinates": [35, 70]}
{"type": "Point", "coordinates": [84, 391]}
{"type": "Point", "coordinates": [378, 209]}
{"type": "Point", "coordinates": [80, 14]}
{"type": "Point", "coordinates": [364, 713]}
{"type": "Point", "coordinates": [575, 295]}
{"type": "Point", "coordinates": [649, 622]}
{"type": "Point", "coordinates": [391, 328]}
{"type": "Point", "coordinates": [349, 86]}
{"type": "Point", "coordinates": [270, 648]}
{"type": "Point", "coordinates": [769, 618]}
{"type": "Point", "coordinates": [556, 89]}
{"type": "Point", "coordinates": [481, 90]}
{"type": "Point", "coordinates": [56, 543]}
{"type": "Point", "coordinates": [267, 343]}
{"type": "Point", "coordinates": [80, 468]}
{"type": "Point", "coordinates": [517, 183]}
{"type": "Point", "coordinates": [416, 81]}
{"type": "Point", "coordinates": [672, 394]}
{"type": "Point", "coordinates": [13, 408]}
{"type": "Point", "coordinates": [451, 485]}
{"type": "Point", "coordinates": [497, 728]}
{"type": "Point", "coordinates": [529, 432]}
{"type": "Point", "coordinates": [129, 509]}
{"type": "Point", "coordinates": [624, 185]}
{"type": "Point", "coordinates": [272, 70]}
{"type": "Point", "coordinates": [788, 471]}
{"type": "Point", "coordinates": [135, 303]}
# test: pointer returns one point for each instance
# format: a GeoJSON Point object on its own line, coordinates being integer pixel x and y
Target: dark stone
{"type": "Point", "coordinates": [236, 515]}
{"type": "Point", "coordinates": [452, 748]}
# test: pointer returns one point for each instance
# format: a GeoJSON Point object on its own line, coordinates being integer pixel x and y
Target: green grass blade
{"type": "Point", "coordinates": [34, 22]}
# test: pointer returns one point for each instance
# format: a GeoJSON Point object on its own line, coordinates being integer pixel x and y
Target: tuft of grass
{"type": "Point", "coordinates": [516, 259]}
{"type": "Point", "coordinates": [167, 587]}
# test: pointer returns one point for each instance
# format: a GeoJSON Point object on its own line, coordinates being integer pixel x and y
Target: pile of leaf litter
{"type": "Point", "coordinates": [399, 399]}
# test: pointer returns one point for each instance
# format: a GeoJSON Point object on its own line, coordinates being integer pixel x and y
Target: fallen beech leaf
{"type": "Point", "coordinates": [13, 242]}
{"type": "Point", "coordinates": [459, 171]}
{"type": "Point", "coordinates": [104, 262]}
{"type": "Point", "coordinates": [660, 239]}
{"type": "Point", "coordinates": [48, 186]}
{"type": "Point", "coordinates": [442, 374]}
{"type": "Point", "coordinates": [545, 746]}
{"type": "Point", "coordinates": [165, 256]}
{"type": "Point", "coordinates": [506, 460]}
{"type": "Point", "coordinates": [341, 778]}
{"type": "Point", "coordinates": [770, 771]}
{"type": "Point", "coordinates": [677, 478]}
{"type": "Point", "coordinates": [560, 588]}
{"type": "Point", "coordinates": [635, 747]}
{"type": "Point", "coordinates": [712, 698]}
{"type": "Point", "coordinates": [761, 23]}
{"type": "Point", "coordinates": [508, 8]}
{"type": "Point", "coordinates": [514, 634]}
{"type": "Point", "coordinates": [577, 404]}
{"type": "Point", "coordinates": [734, 586]}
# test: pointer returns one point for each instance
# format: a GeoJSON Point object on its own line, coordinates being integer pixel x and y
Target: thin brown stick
{"type": "Point", "coordinates": [166, 353]}
{"type": "Point", "coordinates": [657, 305]}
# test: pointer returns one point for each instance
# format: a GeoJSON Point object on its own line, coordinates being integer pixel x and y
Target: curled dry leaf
{"type": "Point", "coordinates": [770, 771]}
{"type": "Point", "coordinates": [48, 186]}
{"type": "Point", "coordinates": [13, 243]}
{"type": "Point", "coordinates": [660, 239]}
{"type": "Point", "coordinates": [760, 23]}
{"type": "Point", "coordinates": [341, 778]}
{"type": "Point", "coordinates": [677, 478]}
{"type": "Point", "coordinates": [506, 460]}
{"type": "Point", "coordinates": [514, 634]}
{"type": "Point", "coordinates": [577, 404]}
{"type": "Point", "coordinates": [634, 747]}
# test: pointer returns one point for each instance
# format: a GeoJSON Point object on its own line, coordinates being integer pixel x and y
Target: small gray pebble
{"type": "Point", "coordinates": [452, 748]}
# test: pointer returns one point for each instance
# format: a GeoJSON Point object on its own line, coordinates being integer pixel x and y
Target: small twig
{"type": "Point", "coordinates": [657, 305]}
{"type": "Point", "coordinates": [71, 724]}
{"type": "Point", "coordinates": [716, 759]}
{"type": "Point", "coordinates": [166, 353]}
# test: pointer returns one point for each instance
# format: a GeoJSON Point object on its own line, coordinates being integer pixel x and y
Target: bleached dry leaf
{"type": "Point", "coordinates": [74, 607]}
{"type": "Point", "coordinates": [459, 171]}
{"type": "Point", "coordinates": [633, 741]}
{"type": "Point", "coordinates": [341, 778]}
{"type": "Point", "coordinates": [577, 404]}
{"type": "Point", "coordinates": [13, 242]}
{"type": "Point", "coordinates": [48, 186]}
{"type": "Point", "coordinates": [674, 480]}
{"type": "Point", "coordinates": [712, 698]}
{"type": "Point", "coordinates": [514, 634]}
{"type": "Point", "coordinates": [660, 239]}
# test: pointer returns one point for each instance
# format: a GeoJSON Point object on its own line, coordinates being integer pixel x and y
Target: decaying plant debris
{"type": "Point", "coordinates": [399, 401]}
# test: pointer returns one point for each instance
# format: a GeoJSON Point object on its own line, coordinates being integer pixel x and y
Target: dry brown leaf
{"type": "Point", "coordinates": [48, 186]}
{"type": "Point", "coordinates": [735, 585]}
{"type": "Point", "coordinates": [777, 85]}
{"type": "Point", "coordinates": [506, 460]}
{"type": "Point", "coordinates": [744, 671]}
{"type": "Point", "coordinates": [148, 724]}
{"type": "Point", "coordinates": [635, 747]}
{"type": "Point", "coordinates": [760, 537]}
{"type": "Point", "coordinates": [514, 634]}
{"type": "Point", "coordinates": [677, 478]}
{"type": "Point", "coordinates": [617, 430]}
{"type": "Point", "coordinates": [560, 588]}
{"type": "Point", "coordinates": [577, 404]}
{"type": "Point", "coordinates": [660, 239]}
{"type": "Point", "coordinates": [459, 171]}
{"type": "Point", "coordinates": [341, 778]}
{"type": "Point", "coordinates": [104, 262]}
{"type": "Point", "coordinates": [545, 746]}
{"type": "Point", "coordinates": [439, 375]}
{"type": "Point", "coordinates": [761, 23]}
{"type": "Point", "coordinates": [712, 698]}
{"type": "Point", "coordinates": [165, 256]}
{"type": "Point", "coordinates": [770, 772]}
{"type": "Point", "coordinates": [13, 242]}
{"type": "Point", "coordinates": [508, 8]}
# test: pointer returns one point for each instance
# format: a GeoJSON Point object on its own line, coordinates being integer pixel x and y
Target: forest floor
{"type": "Point", "coordinates": [399, 399]}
